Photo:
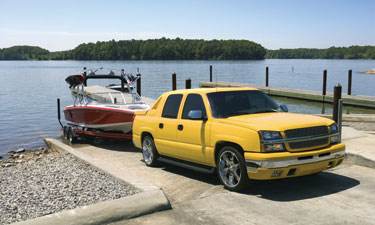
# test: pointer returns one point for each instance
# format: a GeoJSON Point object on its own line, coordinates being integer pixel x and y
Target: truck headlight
{"type": "Point", "coordinates": [269, 135]}
{"type": "Point", "coordinates": [335, 139]}
{"type": "Point", "coordinates": [273, 147]}
{"type": "Point", "coordinates": [333, 130]}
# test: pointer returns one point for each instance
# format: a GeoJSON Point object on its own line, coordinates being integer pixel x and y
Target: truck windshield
{"type": "Point", "coordinates": [233, 103]}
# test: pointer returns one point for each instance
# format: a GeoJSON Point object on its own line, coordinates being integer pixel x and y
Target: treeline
{"type": "Point", "coordinates": [166, 49]}
{"type": "Point", "coordinates": [182, 49]}
{"type": "Point", "coordinates": [24, 53]}
{"type": "Point", "coordinates": [352, 52]}
{"type": "Point", "coordinates": [154, 49]}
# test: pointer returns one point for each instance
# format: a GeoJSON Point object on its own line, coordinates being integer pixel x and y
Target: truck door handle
{"type": "Point", "coordinates": [180, 127]}
{"type": "Point", "coordinates": [161, 125]}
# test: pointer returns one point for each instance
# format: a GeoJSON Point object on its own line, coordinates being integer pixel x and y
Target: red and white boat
{"type": "Point", "coordinates": [104, 114]}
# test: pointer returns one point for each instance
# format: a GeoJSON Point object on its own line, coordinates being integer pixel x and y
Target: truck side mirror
{"type": "Point", "coordinates": [196, 115]}
{"type": "Point", "coordinates": [284, 108]}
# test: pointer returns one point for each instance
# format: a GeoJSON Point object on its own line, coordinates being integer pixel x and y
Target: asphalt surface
{"type": "Point", "coordinates": [343, 195]}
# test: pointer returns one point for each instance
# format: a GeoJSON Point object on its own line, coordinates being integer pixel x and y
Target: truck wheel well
{"type": "Point", "coordinates": [144, 134]}
{"type": "Point", "coordinates": [221, 144]}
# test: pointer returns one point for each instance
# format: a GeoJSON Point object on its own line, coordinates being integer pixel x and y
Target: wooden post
{"type": "Point", "coordinates": [84, 76]}
{"type": "Point", "coordinates": [174, 82]}
{"type": "Point", "coordinates": [267, 76]}
{"type": "Point", "coordinates": [336, 97]}
{"type": "Point", "coordinates": [349, 82]}
{"type": "Point", "coordinates": [188, 83]}
{"type": "Point", "coordinates": [210, 73]}
{"type": "Point", "coordinates": [122, 81]}
{"type": "Point", "coordinates": [139, 84]}
{"type": "Point", "coordinates": [324, 82]}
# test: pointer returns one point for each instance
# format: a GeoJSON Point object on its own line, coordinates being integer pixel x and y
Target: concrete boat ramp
{"type": "Point", "coordinates": [173, 195]}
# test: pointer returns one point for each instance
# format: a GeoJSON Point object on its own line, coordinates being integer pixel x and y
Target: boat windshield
{"type": "Point", "coordinates": [108, 98]}
{"type": "Point", "coordinates": [234, 103]}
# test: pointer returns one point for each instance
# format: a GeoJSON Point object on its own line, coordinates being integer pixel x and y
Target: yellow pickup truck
{"type": "Point", "coordinates": [239, 132]}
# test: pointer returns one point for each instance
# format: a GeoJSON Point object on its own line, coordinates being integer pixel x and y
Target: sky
{"type": "Point", "coordinates": [64, 24]}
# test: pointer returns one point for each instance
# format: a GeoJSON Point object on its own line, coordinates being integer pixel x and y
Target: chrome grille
{"type": "Point", "coordinates": [307, 132]}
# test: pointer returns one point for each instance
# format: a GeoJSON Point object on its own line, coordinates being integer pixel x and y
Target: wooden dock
{"type": "Point", "coordinates": [352, 100]}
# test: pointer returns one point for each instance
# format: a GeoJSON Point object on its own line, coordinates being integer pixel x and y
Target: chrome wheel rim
{"type": "Point", "coordinates": [147, 151]}
{"type": "Point", "coordinates": [229, 169]}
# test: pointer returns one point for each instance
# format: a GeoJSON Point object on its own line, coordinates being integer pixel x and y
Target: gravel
{"type": "Point", "coordinates": [34, 184]}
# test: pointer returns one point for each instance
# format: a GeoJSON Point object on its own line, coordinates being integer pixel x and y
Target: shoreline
{"type": "Point", "coordinates": [43, 182]}
{"type": "Point", "coordinates": [22, 155]}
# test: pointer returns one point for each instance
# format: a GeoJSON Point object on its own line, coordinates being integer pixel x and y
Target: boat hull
{"type": "Point", "coordinates": [101, 118]}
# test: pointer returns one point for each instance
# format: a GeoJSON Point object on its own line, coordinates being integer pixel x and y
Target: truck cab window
{"type": "Point", "coordinates": [171, 106]}
{"type": "Point", "coordinates": [193, 102]}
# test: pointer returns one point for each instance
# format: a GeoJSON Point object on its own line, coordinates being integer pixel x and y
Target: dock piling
{"type": "Point", "coordinates": [58, 113]}
{"type": "Point", "coordinates": [210, 73]}
{"type": "Point", "coordinates": [174, 82]}
{"type": "Point", "coordinates": [139, 84]}
{"type": "Point", "coordinates": [84, 76]}
{"type": "Point", "coordinates": [188, 83]}
{"type": "Point", "coordinates": [336, 97]}
{"type": "Point", "coordinates": [267, 76]}
{"type": "Point", "coordinates": [349, 82]}
{"type": "Point", "coordinates": [324, 83]}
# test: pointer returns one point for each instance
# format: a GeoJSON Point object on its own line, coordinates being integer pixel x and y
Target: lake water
{"type": "Point", "coordinates": [29, 89]}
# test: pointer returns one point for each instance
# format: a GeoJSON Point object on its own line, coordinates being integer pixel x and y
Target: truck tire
{"type": "Point", "coordinates": [149, 152]}
{"type": "Point", "coordinates": [231, 169]}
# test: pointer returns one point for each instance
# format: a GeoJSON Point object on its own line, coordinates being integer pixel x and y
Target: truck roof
{"type": "Point", "coordinates": [210, 90]}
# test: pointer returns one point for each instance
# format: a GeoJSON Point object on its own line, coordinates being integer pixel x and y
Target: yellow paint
{"type": "Point", "coordinates": [301, 170]}
{"type": "Point", "coordinates": [198, 140]}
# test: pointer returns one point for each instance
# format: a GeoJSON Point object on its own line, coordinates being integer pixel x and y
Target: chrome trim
{"type": "Point", "coordinates": [298, 139]}
{"type": "Point", "coordinates": [272, 164]}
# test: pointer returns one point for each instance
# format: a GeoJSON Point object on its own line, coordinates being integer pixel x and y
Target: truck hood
{"type": "Point", "coordinates": [276, 121]}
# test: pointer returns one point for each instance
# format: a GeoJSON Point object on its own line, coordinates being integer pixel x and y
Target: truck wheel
{"type": "Point", "coordinates": [231, 169]}
{"type": "Point", "coordinates": [150, 154]}
{"type": "Point", "coordinates": [71, 137]}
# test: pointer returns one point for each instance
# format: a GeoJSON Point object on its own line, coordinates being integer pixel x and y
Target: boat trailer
{"type": "Point", "coordinates": [73, 132]}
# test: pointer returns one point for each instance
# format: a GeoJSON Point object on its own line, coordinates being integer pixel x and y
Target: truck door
{"type": "Point", "coordinates": [167, 126]}
{"type": "Point", "coordinates": [192, 135]}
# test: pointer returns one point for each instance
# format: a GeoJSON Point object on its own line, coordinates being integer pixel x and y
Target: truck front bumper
{"type": "Point", "coordinates": [266, 166]}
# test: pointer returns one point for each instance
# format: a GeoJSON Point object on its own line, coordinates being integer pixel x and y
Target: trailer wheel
{"type": "Point", "coordinates": [66, 132]}
{"type": "Point", "coordinates": [72, 139]}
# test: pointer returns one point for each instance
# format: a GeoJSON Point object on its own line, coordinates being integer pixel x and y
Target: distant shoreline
{"type": "Point", "coordinates": [182, 49]}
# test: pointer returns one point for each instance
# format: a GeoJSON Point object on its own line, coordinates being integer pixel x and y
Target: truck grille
{"type": "Point", "coordinates": [306, 132]}
{"type": "Point", "coordinates": [308, 144]}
